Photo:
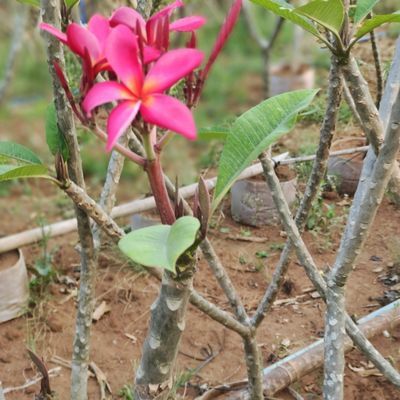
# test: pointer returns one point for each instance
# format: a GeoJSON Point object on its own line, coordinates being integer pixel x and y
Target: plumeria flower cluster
{"type": "Point", "coordinates": [135, 57]}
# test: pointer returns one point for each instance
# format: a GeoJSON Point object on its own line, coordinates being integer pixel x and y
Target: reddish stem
{"type": "Point", "coordinates": [157, 183]}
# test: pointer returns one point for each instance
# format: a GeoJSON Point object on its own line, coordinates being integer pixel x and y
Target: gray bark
{"type": "Point", "coordinates": [371, 122]}
{"type": "Point", "coordinates": [357, 230]}
{"type": "Point", "coordinates": [224, 281]}
{"type": "Point", "coordinates": [154, 377]}
{"type": "Point", "coordinates": [317, 174]}
{"type": "Point", "coordinates": [254, 366]}
{"type": "Point", "coordinates": [315, 276]}
{"type": "Point", "coordinates": [80, 358]}
{"type": "Point", "coordinates": [108, 194]}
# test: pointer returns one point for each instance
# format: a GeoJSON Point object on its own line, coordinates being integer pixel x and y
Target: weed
{"type": "Point", "coordinates": [277, 246]}
{"type": "Point", "coordinates": [262, 254]}
{"type": "Point", "coordinates": [245, 232]}
{"type": "Point", "coordinates": [126, 393]}
{"type": "Point", "coordinates": [242, 260]}
{"type": "Point", "coordinates": [43, 266]}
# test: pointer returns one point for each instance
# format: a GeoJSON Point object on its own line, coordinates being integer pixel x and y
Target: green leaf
{"type": "Point", "coordinates": [286, 10]}
{"type": "Point", "coordinates": [370, 24]}
{"type": "Point", "coordinates": [363, 8]}
{"type": "Point", "coordinates": [255, 131]}
{"type": "Point", "coordinates": [327, 13]}
{"type": "Point", "coordinates": [17, 152]}
{"type": "Point", "coordinates": [54, 137]}
{"type": "Point", "coordinates": [9, 172]}
{"type": "Point", "coordinates": [71, 3]}
{"type": "Point", "coordinates": [34, 3]}
{"type": "Point", "coordinates": [213, 133]}
{"type": "Point", "coordinates": [160, 245]}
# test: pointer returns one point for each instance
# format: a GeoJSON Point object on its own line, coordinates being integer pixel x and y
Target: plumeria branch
{"type": "Point", "coordinates": [107, 224]}
{"type": "Point", "coordinates": [139, 160]}
{"type": "Point", "coordinates": [109, 191]}
{"type": "Point", "coordinates": [369, 116]}
{"type": "Point", "coordinates": [352, 243]}
{"type": "Point", "coordinates": [315, 276]}
{"type": "Point", "coordinates": [80, 359]}
{"type": "Point", "coordinates": [317, 174]}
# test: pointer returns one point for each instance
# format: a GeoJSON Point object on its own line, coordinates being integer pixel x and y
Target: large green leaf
{"type": "Point", "coordinates": [286, 10]}
{"type": "Point", "coordinates": [17, 152]}
{"type": "Point", "coordinates": [54, 137]}
{"type": "Point", "coordinates": [9, 172]}
{"type": "Point", "coordinates": [34, 3]}
{"type": "Point", "coordinates": [327, 13]}
{"type": "Point", "coordinates": [370, 24]}
{"type": "Point", "coordinates": [363, 8]}
{"type": "Point", "coordinates": [213, 133]}
{"type": "Point", "coordinates": [160, 245]}
{"type": "Point", "coordinates": [255, 131]}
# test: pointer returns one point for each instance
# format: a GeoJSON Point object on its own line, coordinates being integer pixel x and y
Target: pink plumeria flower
{"type": "Point", "coordinates": [88, 43]}
{"type": "Point", "coordinates": [155, 32]}
{"type": "Point", "coordinates": [143, 94]}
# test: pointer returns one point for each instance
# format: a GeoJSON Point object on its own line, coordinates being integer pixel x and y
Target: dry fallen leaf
{"type": "Point", "coordinates": [99, 312]}
{"type": "Point", "coordinates": [131, 337]}
{"type": "Point", "coordinates": [365, 373]}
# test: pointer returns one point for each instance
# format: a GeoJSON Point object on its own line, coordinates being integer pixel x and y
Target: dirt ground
{"type": "Point", "coordinates": [128, 292]}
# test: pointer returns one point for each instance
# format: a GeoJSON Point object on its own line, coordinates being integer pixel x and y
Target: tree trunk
{"type": "Point", "coordinates": [154, 377]}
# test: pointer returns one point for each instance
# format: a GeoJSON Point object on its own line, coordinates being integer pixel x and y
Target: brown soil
{"type": "Point", "coordinates": [118, 336]}
{"type": "Point", "coordinates": [8, 260]}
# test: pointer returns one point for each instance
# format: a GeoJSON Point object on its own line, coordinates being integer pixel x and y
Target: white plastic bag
{"type": "Point", "coordinates": [14, 290]}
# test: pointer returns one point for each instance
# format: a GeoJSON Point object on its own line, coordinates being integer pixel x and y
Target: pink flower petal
{"type": "Point", "coordinates": [187, 24]}
{"type": "Point", "coordinates": [119, 120]}
{"type": "Point", "coordinates": [105, 92]}
{"type": "Point", "coordinates": [100, 27]}
{"type": "Point", "coordinates": [166, 10]}
{"type": "Point", "coordinates": [169, 113]}
{"type": "Point", "coordinates": [129, 17]}
{"type": "Point", "coordinates": [62, 37]}
{"type": "Point", "coordinates": [224, 34]}
{"type": "Point", "coordinates": [122, 54]}
{"type": "Point", "coordinates": [79, 39]}
{"type": "Point", "coordinates": [170, 68]}
{"type": "Point", "coordinates": [150, 54]}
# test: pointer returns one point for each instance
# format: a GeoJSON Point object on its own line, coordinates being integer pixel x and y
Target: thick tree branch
{"type": "Point", "coordinates": [369, 116]}
{"type": "Point", "coordinates": [315, 276]}
{"type": "Point", "coordinates": [80, 360]}
{"type": "Point", "coordinates": [317, 174]}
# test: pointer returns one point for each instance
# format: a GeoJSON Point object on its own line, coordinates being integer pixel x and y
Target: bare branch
{"type": "Point", "coordinates": [315, 276]}
{"type": "Point", "coordinates": [80, 362]}
{"type": "Point", "coordinates": [378, 68]}
{"type": "Point", "coordinates": [317, 174]}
